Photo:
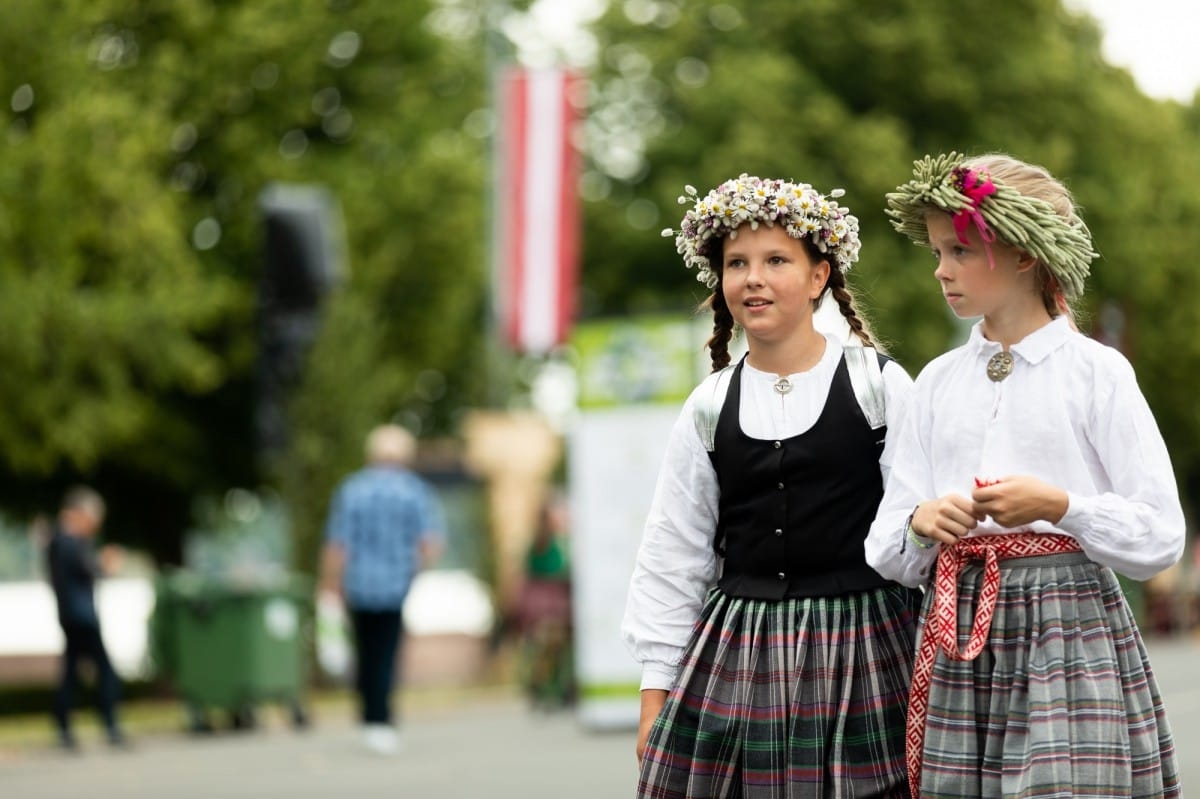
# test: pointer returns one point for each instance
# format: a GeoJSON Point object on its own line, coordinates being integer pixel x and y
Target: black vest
{"type": "Point", "coordinates": [794, 514]}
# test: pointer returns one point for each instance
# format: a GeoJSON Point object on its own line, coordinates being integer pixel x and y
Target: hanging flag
{"type": "Point", "coordinates": [536, 207]}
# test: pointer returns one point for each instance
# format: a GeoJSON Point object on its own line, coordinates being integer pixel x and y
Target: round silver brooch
{"type": "Point", "coordinates": [782, 385]}
{"type": "Point", "coordinates": [999, 366]}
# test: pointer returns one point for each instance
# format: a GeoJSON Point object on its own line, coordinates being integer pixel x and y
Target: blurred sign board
{"type": "Point", "coordinates": [634, 375]}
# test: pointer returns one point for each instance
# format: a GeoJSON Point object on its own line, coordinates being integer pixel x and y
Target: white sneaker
{"type": "Point", "coordinates": [381, 739]}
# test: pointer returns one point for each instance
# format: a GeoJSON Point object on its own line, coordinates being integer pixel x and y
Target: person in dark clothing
{"type": "Point", "coordinates": [73, 565]}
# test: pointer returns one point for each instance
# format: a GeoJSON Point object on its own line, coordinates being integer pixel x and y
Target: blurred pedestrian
{"type": "Point", "coordinates": [74, 565]}
{"type": "Point", "coordinates": [1028, 468]}
{"type": "Point", "coordinates": [544, 611]}
{"type": "Point", "coordinates": [775, 661]}
{"type": "Point", "coordinates": [385, 524]}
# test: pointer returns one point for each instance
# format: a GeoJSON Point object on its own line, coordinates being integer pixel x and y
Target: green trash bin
{"type": "Point", "coordinates": [160, 635]}
{"type": "Point", "coordinates": [233, 645]}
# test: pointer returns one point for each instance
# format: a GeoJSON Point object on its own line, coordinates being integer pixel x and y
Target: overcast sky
{"type": "Point", "coordinates": [1157, 40]}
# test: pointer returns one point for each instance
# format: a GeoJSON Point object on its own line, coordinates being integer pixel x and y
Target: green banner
{"type": "Point", "coordinates": [639, 360]}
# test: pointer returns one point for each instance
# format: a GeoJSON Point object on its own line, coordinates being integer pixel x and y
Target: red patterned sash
{"type": "Point", "coordinates": [941, 625]}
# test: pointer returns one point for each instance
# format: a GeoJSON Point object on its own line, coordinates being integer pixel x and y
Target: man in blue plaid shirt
{"type": "Point", "coordinates": [385, 524]}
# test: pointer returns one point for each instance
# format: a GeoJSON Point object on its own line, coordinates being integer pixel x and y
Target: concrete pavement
{"type": "Point", "coordinates": [490, 747]}
{"type": "Point", "coordinates": [482, 745]}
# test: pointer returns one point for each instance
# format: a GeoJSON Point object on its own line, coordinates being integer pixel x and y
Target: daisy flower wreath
{"type": "Point", "coordinates": [802, 210]}
{"type": "Point", "coordinates": [974, 198]}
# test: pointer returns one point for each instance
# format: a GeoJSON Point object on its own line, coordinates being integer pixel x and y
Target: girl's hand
{"type": "Point", "coordinates": [946, 519]}
{"type": "Point", "coordinates": [1019, 500]}
{"type": "Point", "coordinates": [653, 700]}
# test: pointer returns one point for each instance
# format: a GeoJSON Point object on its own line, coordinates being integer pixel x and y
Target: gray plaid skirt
{"type": "Point", "coordinates": [1061, 702]}
{"type": "Point", "coordinates": [788, 699]}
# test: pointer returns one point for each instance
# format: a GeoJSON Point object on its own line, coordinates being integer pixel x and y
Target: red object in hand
{"type": "Point", "coordinates": [985, 483]}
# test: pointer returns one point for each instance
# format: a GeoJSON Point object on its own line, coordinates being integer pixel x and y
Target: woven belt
{"type": "Point", "coordinates": [941, 625]}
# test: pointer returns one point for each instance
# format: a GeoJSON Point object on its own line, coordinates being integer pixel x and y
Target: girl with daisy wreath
{"type": "Point", "coordinates": [776, 662]}
{"type": "Point", "coordinates": [1027, 469]}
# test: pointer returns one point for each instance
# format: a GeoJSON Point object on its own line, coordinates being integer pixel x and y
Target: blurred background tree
{"type": "Point", "coordinates": [139, 135]}
{"type": "Point", "coordinates": [139, 139]}
{"type": "Point", "coordinates": [849, 95]}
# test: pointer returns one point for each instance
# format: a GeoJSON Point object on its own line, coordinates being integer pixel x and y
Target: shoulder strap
{"type": "Point", "coordinates": [866, 376]}
{"type": "Point", "coordinates": [709, 401]}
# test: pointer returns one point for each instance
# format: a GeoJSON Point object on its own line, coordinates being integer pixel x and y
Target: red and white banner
{"type": "Point", "coordinates": [536, 207]}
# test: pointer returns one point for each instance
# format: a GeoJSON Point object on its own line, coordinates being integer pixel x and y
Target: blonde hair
{"type": "Point", "coordinates": [390, 444]}
{"type": "Point", "coordinates": [1032, 180]}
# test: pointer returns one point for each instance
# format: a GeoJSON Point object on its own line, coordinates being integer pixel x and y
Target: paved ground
{"type": "Point", "coordinates": [485, 744]}
{"type": "Point", "coordinates": [491, 746]}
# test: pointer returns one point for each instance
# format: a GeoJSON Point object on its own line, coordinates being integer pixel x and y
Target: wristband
{"type": "Point", "coordinates": [913, 535]}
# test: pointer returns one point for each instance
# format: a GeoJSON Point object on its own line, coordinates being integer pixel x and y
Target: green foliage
{"type": "Point", "coordinates": [138, 135]}
{"type": "Point", "coordinates": [130, 249]}
{"type": "Point", "coordinates": [850, 95]}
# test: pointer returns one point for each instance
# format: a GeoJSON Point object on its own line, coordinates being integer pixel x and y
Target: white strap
{"type": "Point", "coordinates": [708, 406]}
{"type": "Point", "coordinates": [867, 381]}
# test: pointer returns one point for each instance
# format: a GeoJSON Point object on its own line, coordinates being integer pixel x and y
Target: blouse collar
{"type": "Point", "coordinates": [833, 354]}
{"type": "Point", "coordinates": [1033, 348]}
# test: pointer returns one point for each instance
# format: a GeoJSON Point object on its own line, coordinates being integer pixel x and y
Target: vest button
{"type": "Point", "coordinates": [782, 576]}
{"type": "Point", "coordinates": [781, 486]}
{"type": "Point", "coordinates": [778, 531]}
{"type": "Point", "coordinates": [778, 444]}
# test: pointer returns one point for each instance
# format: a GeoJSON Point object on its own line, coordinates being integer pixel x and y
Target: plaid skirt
{"type": "Point", "coordinates": [1060, 703]}
{"type": "Point", "coordinates": [788, 699]}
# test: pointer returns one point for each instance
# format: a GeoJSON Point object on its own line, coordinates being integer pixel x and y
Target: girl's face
{"type": "Point", "coordinates": [769, 281]}
{"type": "Point", "coordinates": [970, 285]}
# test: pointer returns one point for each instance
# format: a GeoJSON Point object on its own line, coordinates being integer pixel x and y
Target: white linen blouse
{"type": "Point", "coordinates": [676, 565]}
{"type": "Point", "coordinates": [1070, 414]}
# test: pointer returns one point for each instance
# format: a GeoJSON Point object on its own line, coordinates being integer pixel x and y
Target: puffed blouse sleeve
{"type": "Point", "coordinates": [676, 564]}
{"type": "Point", "coordinates": [1134, 523]}
{"type": "Point", "coordinates": [897, 387]}
{"type": "Point", "coordinates": [907, 480]}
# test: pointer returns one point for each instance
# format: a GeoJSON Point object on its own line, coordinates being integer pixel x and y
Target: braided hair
{"type": "Point", "coordinates": [836, 286]}
{"type": "Point", "coordinates": [718, 342]}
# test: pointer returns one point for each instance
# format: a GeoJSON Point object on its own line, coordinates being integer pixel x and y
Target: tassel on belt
{"type": "Point", "coordinates": [941, 625]}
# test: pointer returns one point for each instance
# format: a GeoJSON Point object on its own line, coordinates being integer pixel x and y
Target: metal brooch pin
{"type": "Point", "coordinates": [782, 385]}
{"type": "Point", "coordinates": [999, 366]}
